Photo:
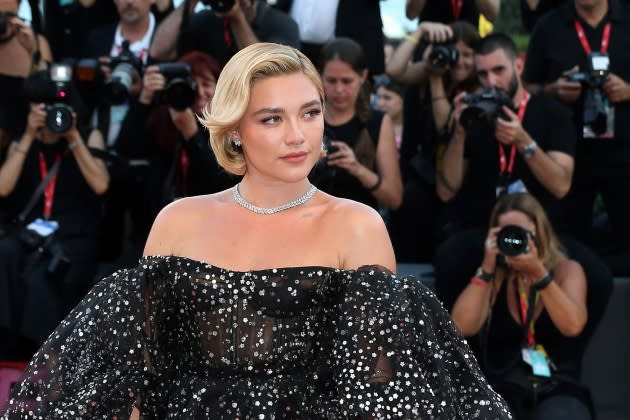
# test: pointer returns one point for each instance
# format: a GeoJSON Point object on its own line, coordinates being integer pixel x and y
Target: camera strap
{"type": "Point", "coordinates": [582, 37]}
{"type": "Point", "coordinates": [46, 179]}
{"type": "Point", "coordinates": [527, 303]}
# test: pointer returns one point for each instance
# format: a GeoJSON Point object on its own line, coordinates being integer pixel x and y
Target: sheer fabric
{"type": "Point", "coordinates": [179, 338]}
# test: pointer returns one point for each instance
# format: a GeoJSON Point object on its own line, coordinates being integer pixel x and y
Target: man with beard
{"type": "Point", "coordinates": [528, 148]}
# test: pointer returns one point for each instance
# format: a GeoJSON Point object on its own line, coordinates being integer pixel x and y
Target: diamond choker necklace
{"type": "Point", "coordinates": [271, 210]}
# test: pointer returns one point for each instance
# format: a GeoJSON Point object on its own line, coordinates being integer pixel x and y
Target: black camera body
{"type": "Point", "coordinates": [219, 5]}
{"type": "Point", "coordinates": [513, 240]}
{"type": "Point", "coordinates": [443, 55]}
{"type": "Point", "coordinates": [592, 80]}
{"type": "Point", "coordinates": [484, 108]}
{"type": "Point", "coordinates": [54, 91]}
{"type": "Point", "coordinates": [123, 66]}
{"type": "Point", "coordinates": [181, 90]}
{"type": "Point", "coordinates": [328, 146]}
{"type": "Point", "coordinates": [47, 245]}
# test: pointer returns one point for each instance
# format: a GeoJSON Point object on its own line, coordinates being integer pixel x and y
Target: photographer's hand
{"type": "Point", "coordinates": [568, 92]}
{"type": "Point", "coordinates": [152, 82]}
{"type": "Point", "coordinates": [25, 35]}
{"type": "Point", "coordinates": [36, 120]}
{"type": "Point", "coordinates": [185, 121]}
{"type": "Point", "coordinates": [491, 251]}
{"type": "Point", "coordinates": [511, 131]}
{"type": "Point", "coordinates": [529, 263]}
{"type": "Point", "coordinates": [435, 32]}
{"type": "Point", "coordinates": [616, 89]}
{"type": "Point", "coordinates": [344, 157]}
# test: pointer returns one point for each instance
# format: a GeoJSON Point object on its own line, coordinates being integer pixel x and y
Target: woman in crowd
{"type": "Point", "coordinates": [527, 304]}
{"type": "Point", "coordinates": [362, 161]}
{"type": "Point", "coordinates": [388, 98]}
{"type": "Point", "coordinates": [256, 302]}
{"type": "Point", "coordinates": [47, 268]}
{"type": "Point", "coordinates": [444, 68]}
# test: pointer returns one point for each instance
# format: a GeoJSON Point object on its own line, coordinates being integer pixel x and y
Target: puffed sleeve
{"type": "Point", "coordinates": [397, 353]}
{"type": "Point", "coordinates": [101, 360]}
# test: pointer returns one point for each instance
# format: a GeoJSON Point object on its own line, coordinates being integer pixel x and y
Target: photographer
{"type": "Point", "coordinates": [221, 33]}
{"type": "Point", "coordinates": [527, 304]}
{"type": "Point", "coordinates": [48, 257]}
{"type": "Point", "coordinates": [591, 76]}
{"type": "Point", "coordinates": [450, 11]}
{"type": "Point", "coordinates": [445, 69]}
{"type": "Point", "coordinates": [362, 159]}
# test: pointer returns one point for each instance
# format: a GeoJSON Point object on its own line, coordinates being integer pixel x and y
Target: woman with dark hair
{"type": "Point", "coordinates": [49, 256]}
{"type": "Point", "coordinates": [527, 304]}
{"type": "Point", "coordinates": [444, 69]}
{"type": "Point", "coordinates": [362, 159]}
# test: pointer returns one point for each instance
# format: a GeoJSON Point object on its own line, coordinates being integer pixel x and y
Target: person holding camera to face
{"type": "Point", "coordinates": [507, 141]}
{"type": "Point", "coordinates": [592, 77]}
{"type": "Point", "coordinates": [526, 304]}
{"type": "Point", "coordinates": [53, 185]}
{"type": "Point", "coordinates": [227, 27]}
{"type": "Point", "coordinates": [445, 68]}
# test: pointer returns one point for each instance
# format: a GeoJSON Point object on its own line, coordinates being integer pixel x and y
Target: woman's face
{"type": "Point", "coordinates": [465, 66]}
{"type": "Point", "coordinates": [206, 84]}
{"type": "Point", "coordinates": [341, 85]}
{"type": "Point", "coordinates": [516, 217]}
{"type": "Point", "coordinates": [282, 133]}
{"type": "Point", "coordinates": [389, 102]}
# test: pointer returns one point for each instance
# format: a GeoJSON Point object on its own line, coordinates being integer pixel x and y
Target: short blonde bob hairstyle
{"type": "Point", "coordinates": [231, 98]}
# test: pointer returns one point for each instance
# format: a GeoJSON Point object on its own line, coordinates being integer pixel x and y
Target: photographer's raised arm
{"type": "Point", "coordinates": [93, 169]}
{"type": "Point", "coordinates": [164, 43]}
{"type": "Point", "coordinates": [12, 168]}
{"type": "Point", "coordinates": [454, 165]}
{"type": "Point", "coordinates": [243, 32]}
{"type": "Point", "coordinates": [440, 104]}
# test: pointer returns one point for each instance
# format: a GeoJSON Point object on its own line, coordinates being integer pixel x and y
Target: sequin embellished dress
{"type": "Point", "coordinates": [179, 338]}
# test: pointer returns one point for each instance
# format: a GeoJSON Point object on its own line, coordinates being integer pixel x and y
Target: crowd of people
{"type": "Point", "coordinates": [448, 134]}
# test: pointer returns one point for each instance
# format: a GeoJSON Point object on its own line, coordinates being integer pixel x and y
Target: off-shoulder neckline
{"type": "Point", "coordinates": [208, 265]}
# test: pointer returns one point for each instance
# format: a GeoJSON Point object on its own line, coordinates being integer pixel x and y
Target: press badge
{"type": "Point", "coordinates": [537, 360]}
{"type": "Point", "coordinates": [43, 227]}
{"type": "Point", "coordinates": [516, 187]}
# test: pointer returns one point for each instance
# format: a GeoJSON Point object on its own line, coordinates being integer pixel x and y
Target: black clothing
{"type": "Point", "coordinates": [554, 47]}
{"type": "Point", "coordinates": [338, 181]}
{"type": "Point", "coordinates": [13, 106]}
{"type": "Point", "coordinates": [601, 165]}
{"type": "Point", "coordinates": [442, 11]}
{"type": "Point", "coordinates": [36, 300]}
{"type": "Point", "coordinates": [212, 35]}
{"type": "Point", "coordinates": [183, 339]}
{"type": "Point", "coordinates": [530, 17]}
{"type": "Point", "coordinates": [549, 124]}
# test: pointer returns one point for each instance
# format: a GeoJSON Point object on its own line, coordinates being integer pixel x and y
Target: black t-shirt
{"type": "Point", "coordinates": [549, 124]}
{"type": "Point", "coordinates": [338, 181]}
{"type": "Point", "coordinates": [442, 11]}
{"type": "Point", "coordinates": [554, 47]}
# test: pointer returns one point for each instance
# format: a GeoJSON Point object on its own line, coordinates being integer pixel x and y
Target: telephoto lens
{"type": "Point", "coordinates": [513, 240]}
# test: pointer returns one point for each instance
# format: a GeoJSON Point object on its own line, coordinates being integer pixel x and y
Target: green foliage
{"type": "Point", "coordinates": [510, 22]}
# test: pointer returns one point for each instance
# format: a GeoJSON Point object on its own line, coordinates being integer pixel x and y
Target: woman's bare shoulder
{"type": "Point", "coordinates": [181, 217]}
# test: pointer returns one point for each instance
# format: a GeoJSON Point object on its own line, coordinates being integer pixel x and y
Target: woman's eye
{"type": "Point", "coordinates": [271, 120]}
{"type": "Point", "coordinates": [313, 113]}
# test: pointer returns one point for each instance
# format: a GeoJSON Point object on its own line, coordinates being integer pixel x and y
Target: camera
{"type": "Point", "coordinates": [181, 90]}
{"type": "Point", "coordinates": [592, 80]}
{"type": "Point", "coordinates": [115, 90]}
{"type": "Point", "coordinates": [4, 20]}
{"type": "Point", "coordinates": [484, 108]}
{"type": "Point", "coordinates": [47, 245]}
{"type": "Point", "coordinates": [54, 90]}
{"type": "Point", "coordinates": [513, 240]}
{"type": "Point", "coordinates": [443, 55]}
{"type": "Point", "coordinates": [328, 146]}
{"type": "Point", "coordinates": [219, 5]}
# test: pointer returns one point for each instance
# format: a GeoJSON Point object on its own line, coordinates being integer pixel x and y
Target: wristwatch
{"type": "Point", "coordinates": [480, 274]}
{"type": "Point", "coordinates": [528, 152]}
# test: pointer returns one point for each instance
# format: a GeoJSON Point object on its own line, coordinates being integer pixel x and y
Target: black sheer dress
{"type": "Point", "coordinates": [179, 338]}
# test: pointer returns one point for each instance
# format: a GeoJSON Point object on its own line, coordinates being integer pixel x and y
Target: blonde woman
{"type": "Point", "coordinates": [258, 301]}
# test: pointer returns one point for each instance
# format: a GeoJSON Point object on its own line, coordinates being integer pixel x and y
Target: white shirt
{"type": "Point", "coordinates": [316, 19]}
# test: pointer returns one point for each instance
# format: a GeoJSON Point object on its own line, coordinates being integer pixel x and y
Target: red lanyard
{"type": "Point", "coordinates": [504, 166]}
{"type": "Point", "coordinates": [457, 8]}
{"type": "Point", "coordinates": [523, 298]}
{"type": "Point", "coordinates": [585, 45]}
{"type": "Point", "coordinates": [227, 36]}
{"type": "Point", "coordinates": [49, 191]}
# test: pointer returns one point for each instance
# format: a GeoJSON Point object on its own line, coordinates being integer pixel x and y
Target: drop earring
{"type": "Point", "coordinates": [234, 138]}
